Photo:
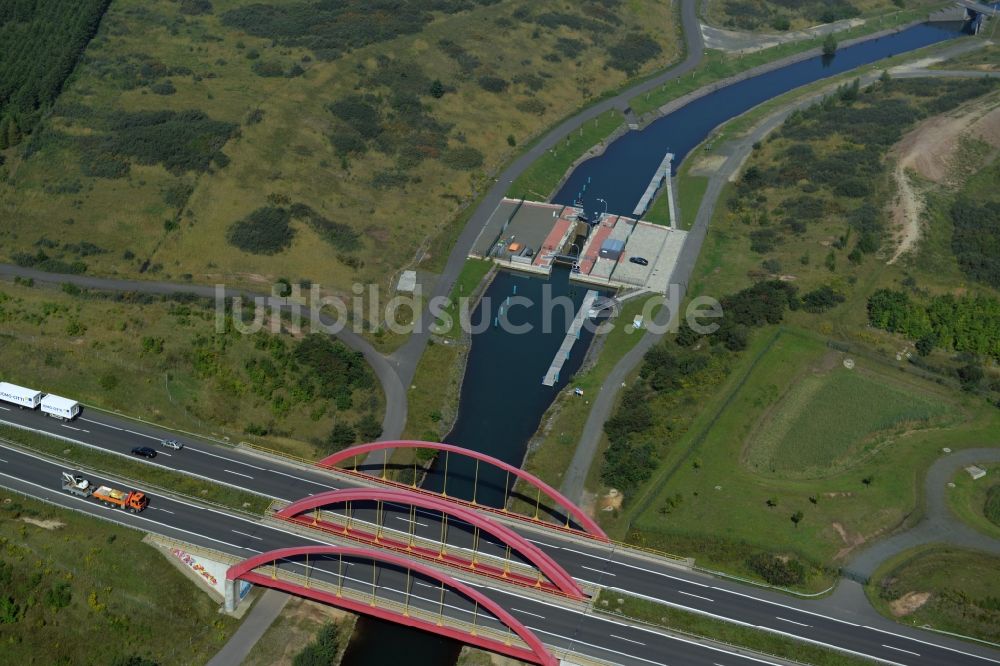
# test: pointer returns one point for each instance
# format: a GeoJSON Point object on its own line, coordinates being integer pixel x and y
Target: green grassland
{"type": "Point", "coordinates": [705, 496]}
{"type": "Point", "coordinates": [301, 137]}
{"type": "Point", "coordinates": [968, 498]}
{"type": "Point", "coordinates": [292, 632]}
{"type": "Point", "coordinates": [947, 588]}
{"type": "Point", "coordinates": [771, 16]}
{"type": "Point", "coordinates": [75, 577]}
{"type": "Point", "coordinates": [832, 419]}
{"type": "Point", "coordinates": [163, 360]}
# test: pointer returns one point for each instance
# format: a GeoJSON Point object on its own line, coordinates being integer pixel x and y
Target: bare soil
{"type": "Point", "coordinates": [909, 603]}
{"type": "Point", "coordinates": [930, 151]}
{"type": "Point", "coordinates": [44, 524]}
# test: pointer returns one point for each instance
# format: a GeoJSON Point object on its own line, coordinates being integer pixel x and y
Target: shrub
{"type": "Point", "coordinates": [163, 88]}
{"type": "Point", "coordinates": [780, 571]}
{"type": "Point", "coordinates": [821, 299]}
{"type": "Point", "coordinates": [992, 507]}
{"type": "Point", "coordinates": [493, 84]}
{"type": "Point", "coordinates": [196, 7]}
{"type": "Point", "coordinates": [465, 158]}
{"type": "Point", "coordinates": [322, 651]}
{"type": "Point", "coordinates": [632, 52]}
{"type": "Point", "coordinates": [268, 68]}
{"type": "Point", "coordinates": [264, 231]}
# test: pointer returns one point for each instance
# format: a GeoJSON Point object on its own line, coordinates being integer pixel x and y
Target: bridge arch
{"type": "Point", "coordinates": [588, 524]}
{"type": "Point", "coordinates": [556, 574]}
{"type": "Point", "coordinates": [536, 651]}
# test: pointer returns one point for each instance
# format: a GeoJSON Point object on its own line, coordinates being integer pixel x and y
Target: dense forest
{"type": "Point", "coordinates": [976, 239]}
{"type": "Point", "coordinates": [42, 41]}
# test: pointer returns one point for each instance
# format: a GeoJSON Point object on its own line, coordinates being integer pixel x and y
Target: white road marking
{"type": "Point", "coordinates": [915, 654]}
{"type": "Point", "coordinates": [407, 520]}
{"type": "Point", "coordinates": [237, 473]}
{"type": "Point", "coordinates": [72, 428]}
{"type": "Point", "coordinates": [101, 424]}
{"type": "Point", "coordinates": [600, 571]}
{"type": "Point", "coordinates": [142, 434]}
{"type": "Point", "coordinates": [252, 550]}
{"type": "Point", "coordinates": [159, 509]}
{"type": "Point", "coordinates": [622, 638]}
{"type": "Point", "coordinates": [518, 610]}
{"type": "Point", "coordinates": [215, 455]}
{"type": "Point", "coordinates": [247, 535]}
{"type": "Point", "coordinates": [2, 460]}
{"type": "Point", "coordinates": [784, 619]}
{"type": "Point", "coordinates": [6, 409]}
{"type": "Point", "coordinates": [791, 608]}
{"type": "Point", "coordinates": [299, 478]}
{"type": "Point", "coordinates": [917, 640]}
{"type": "Point", "coordinates": [696, 596]}
{"type": "Point", "coordinates": [164, 453]}
{"type": "Point", "coordinates": [542, 543]}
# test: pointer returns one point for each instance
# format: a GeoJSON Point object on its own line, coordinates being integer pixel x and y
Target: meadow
{"type": "Point", "coordinates": [944, 588]}
{"type": "Point", "coordinates": [356, 151]}
{"type": "Point", "coordinates": [832, 419]}
{"type": "Point", "coordinates": [163, 360]}
{"type": "Point", "coordinates": [66, 577]}
{"type": "Point", "coordinates": [775, 16]}
{"type": "Point", "coordinates": [977, 502]}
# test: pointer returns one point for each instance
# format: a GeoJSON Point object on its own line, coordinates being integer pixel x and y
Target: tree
{"type": "Point", "coordinates": [925, 345]}
{"type": "Point", "coordinates": [868, 480]}
{"type": "Point", "coordinates": [342, 436]}
{"type": "Point", "coordinates": [368, 428]}
{"type": "Point", "coordinates": [829, 45]}
{"type": "Point", "coordinates": [797, 518]}
{"type": "Point", "coordinates": [437, 89]}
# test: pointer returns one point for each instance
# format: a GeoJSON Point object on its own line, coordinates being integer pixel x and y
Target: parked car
{"type": "Point", "coordinates": [144, 452]}
{"type": "Point", "coordinates": [172, 444]}
{"type": "Point", "coordinates": [639, 260]}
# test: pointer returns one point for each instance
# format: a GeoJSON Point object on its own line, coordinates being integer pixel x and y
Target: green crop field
{"type": "Point", "coordinates": [66, 578]}
{"type": "Point", "coordinates": [941, 587]}
{"type": "Point", "coordinates": [832, 420]}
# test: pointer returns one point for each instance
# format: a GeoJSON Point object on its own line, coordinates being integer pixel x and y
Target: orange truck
{"type": "Point", "coordinates": [129, 500]}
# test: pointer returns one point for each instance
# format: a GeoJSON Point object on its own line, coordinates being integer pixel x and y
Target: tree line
{"type": "Point", "coordinates": [42, 42]}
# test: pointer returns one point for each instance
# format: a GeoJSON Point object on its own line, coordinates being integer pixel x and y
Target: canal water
{"type": "Point", "coordinates": [621, 174]}
{"type": "Point", "coordinates": [503, 399]}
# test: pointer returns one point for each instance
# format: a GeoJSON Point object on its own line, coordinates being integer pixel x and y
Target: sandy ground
{"type": "Point", "coordinates": [930, 151]}
{"type": "Point", "coordinates": [908, 603]}
{"type": "Point", "coordinates": [44, 524]}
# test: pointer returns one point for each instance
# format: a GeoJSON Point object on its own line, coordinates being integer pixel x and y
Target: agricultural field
{"type": "Point", "coordinates": [977, 502]}
{"type": "Point", "coordinates": [230, 142]}
{"type": "Point", "coordinates": [66, 577]}
{"type": "Point", "coordinates": [162, 359]}
{"type": "Point", "coordinates": [945, 588]}
{"type": "Point", "coordinates": [781, 15]}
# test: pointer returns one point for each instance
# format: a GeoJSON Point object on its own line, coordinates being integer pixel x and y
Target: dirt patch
{"type": "Point", "coordinates": [930, 151]}
{"type": "Point", "coordinates": [908, 603]}
{"type": "Point", "coordinates": [611, 502]}
{"type": "Point", "coordinates": [44, 524]}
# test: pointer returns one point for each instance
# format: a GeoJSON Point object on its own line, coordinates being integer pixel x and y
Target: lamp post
{"type": "Point", "coordinates": [605, 213]}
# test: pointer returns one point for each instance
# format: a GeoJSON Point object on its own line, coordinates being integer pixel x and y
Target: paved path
{"type": "Point", "coordinates": [395, 396]}
{"type": "Point", "coordinates": [939, 525]}
{"type": "Point", "coordinates": [254, 625]}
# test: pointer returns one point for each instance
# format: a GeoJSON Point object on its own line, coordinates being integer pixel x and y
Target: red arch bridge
{"type": "Point", "coordinates": [395, 573]}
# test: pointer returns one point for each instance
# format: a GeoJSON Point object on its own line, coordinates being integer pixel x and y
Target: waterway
{"type": "Point", "coordinates": [620, 174]}
{"type": "Point", "coordinates": [503, 399]}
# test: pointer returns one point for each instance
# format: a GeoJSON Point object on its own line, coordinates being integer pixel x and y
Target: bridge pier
{"type": "Point", "coordinates": [232, 596]}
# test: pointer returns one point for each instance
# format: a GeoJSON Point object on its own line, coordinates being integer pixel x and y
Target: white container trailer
{"type": "Point", "coordinates": [19, 395]}
{"type": "Point", "coordinates": [60, 408]}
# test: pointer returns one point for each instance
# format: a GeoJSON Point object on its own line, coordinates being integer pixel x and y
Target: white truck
{"type": "Point", "coordinates": [60, 408]}
{"type": "Point", "coordinates": [20, 396]}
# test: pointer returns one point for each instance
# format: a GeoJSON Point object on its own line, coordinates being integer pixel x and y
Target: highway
{"type": "Point", "coordinates": [610, 566]}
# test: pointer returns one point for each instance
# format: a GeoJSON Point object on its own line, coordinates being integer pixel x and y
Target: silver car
{"type": "Point", "coordinates": [171, 444]}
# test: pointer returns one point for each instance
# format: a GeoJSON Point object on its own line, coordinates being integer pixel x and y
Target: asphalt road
{"type": "Point", "coordinates": [574, 630]}
{"type": "Point", "coordinates": [613, 567]}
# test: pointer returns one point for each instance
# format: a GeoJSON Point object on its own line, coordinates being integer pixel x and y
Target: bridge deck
{"type": "Point", "coordinates": [552, 376]}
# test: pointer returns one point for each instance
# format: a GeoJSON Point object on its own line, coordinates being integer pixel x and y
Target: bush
{"type": "Point", "coordinates": [264, 231]}
{"type": "Point", "coordinates": [465, 158]}
{"type": "Point", "coordinates": [821, 299]}
{"type": "Point", "coordinates": [163, 88]}
{"type": "Point", "coordinates": [321, 651]}
{"type": "Point", "coordinates": [493, 84]}
{"type": "Point", "coordinates": [632, 52]}
{"type": "Point", "coordinates": [992, 507]}
{"type": "Point", "coordinates": [780, 571]}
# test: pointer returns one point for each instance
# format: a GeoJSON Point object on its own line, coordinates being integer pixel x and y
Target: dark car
{"type": "Point", "coordinates": [144, 451]}
{"type": "Point", "coordinates": [639, 260]}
